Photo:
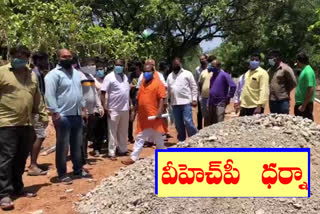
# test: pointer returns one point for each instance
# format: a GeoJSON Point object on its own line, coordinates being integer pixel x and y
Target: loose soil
{"type": "Point", "coordinates": [52, 197]}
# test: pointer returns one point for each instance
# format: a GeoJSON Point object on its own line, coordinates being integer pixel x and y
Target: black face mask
{"type": "Point", "coordinates": [176, 68]}
{"type": "Point", "coordinates": [203, 63]}
{"type": "Point", "coordinates": [66, 64]}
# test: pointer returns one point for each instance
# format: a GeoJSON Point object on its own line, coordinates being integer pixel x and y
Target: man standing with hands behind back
{"type": "Point", "coordinates": [255, 92]}
{"type": "Point", "coordinates": [306, 88]}
{"type": "Point", "coordinates": [66, 103]}
{"type": "Point", "coordinates": [115, 98]}
{"type": "Point", "coordinates": [183, 94]}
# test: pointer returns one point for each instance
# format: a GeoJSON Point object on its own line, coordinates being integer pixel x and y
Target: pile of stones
{"type": "Point", "coordinates": [131, 190]}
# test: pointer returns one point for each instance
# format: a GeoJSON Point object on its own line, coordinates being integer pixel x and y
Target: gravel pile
{"type": "Point", "coordinates": [132, 189]}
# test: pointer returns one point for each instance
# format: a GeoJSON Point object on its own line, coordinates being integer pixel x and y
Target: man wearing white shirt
{"type": "Point", "coordinates": [115, 99]}
{"type": "Point", "coordinates": [182, 92]}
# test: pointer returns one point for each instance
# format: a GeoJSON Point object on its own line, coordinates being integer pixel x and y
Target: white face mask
{"type": "Point", "coordinates": [89, 69]}
{"type": "Point", "coordinates": [272, 62]}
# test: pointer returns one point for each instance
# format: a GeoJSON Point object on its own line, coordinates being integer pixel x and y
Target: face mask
{"type": "Point", "coordinates": [100, 73]}
{"type": "Point", "coordinates": [118, 69]}
{"type": "Point", "coordinates": [215, 70]}
{"type": "Point", "coordinates": [66, 64]}
{"type": "Point", "coordinates": [18, 63]}
{"type": "Point", "coordinates": [272, 62]}
{"type": "Point", "coordinates": [148, 76]}
{"type": "Point", "coordinates": [203, 63]}
{"type": "Point", "coordinates": [176, 68]}
{"type": "Point", "coordinates": [254, 65]}
{"type": "Point", "coordinates": [89, 69]}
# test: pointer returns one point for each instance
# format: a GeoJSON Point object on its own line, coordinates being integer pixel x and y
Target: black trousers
{"type": "Point", "coordinates": [96, 130]}
{"type": "Point", "coordinates": [199, 116]}
{"type": "Point", "coordinates": [248, 111]}
{"type": "Point", "coordinates": [100, 132]}
{"type": "Point", "coordinates": [130, 131]}
{"type": "Point", "coordinates": [15, 146]}
{"type": "Point", "coordinates": [308, 113]}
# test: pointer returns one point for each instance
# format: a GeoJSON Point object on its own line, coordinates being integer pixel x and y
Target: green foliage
{"type": "Point", "coordinates": [284, 26]}
{"type": "Point", "coordinates": [180, 25]}
{"type": "Point", "coordinates": [50, 25]}
{"type": "Point", "coordinates": [117, 28]}
{"type": "Point", "coordinates": [191, 59]}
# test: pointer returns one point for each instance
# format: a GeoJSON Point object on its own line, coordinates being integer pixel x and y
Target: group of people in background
{"type": "Point", "coordinates": [256, 88]}
{"type": "Point", "coordinates": [88, 104]}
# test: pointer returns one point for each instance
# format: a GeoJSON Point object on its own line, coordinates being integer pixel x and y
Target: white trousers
{"type": "Point", "coordinates": [141, 138]}
{"type": "Point", "coordinates": [118, 122]}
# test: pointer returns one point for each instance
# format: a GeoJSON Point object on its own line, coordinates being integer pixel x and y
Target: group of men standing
{"type": "Point", "coordinates": [84, 102]}
{"type": "Point", "coordinates": [256, 88]}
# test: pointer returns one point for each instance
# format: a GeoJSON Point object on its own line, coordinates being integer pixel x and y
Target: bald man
{"type": "Point", "coordinates": [152, 62]}
{"type": "Point", "coordinates": [150, 102]}
{"type": "Point", "coordinates": [66, 104]}
{"type": "Point", "coordinates": [222, 89]}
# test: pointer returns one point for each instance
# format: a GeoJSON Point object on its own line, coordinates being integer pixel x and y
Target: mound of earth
{"type": "Point", "coordinates": [131, 190]}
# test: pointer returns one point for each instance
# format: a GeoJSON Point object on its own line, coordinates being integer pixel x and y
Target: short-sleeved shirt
{"type": "Point", "coordinates": [255, 91]}
{"type": "Point", "coordinates": [19, 98]}
{"type": "Point", "coordinates": [204, 82]}
{"type": "Point", "coordinates": [149, 96]}
{"type": "Point", "coordinates": [117, 90]}
{"type": "Point", "coordinates": [90, 93]}
{"type": "Point", "coordinates": [306, 79]}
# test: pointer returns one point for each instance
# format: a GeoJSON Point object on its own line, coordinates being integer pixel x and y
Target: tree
{"type": "Point", "coordinates": [283, 27]}
{"type": "Point", "coordinates": [182, 24]}
{"type": "Point", "coordinates": [51, 24]}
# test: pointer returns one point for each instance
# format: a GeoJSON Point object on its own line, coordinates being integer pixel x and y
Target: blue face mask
{"type": "Point", "coordinates": [148, 76]}
{"type": "Point", "coordinates": [100, 73]}
{"type": "Point", "coordinates": [18, 63]}
{"type": "Point", "coordinates": [215, 70]}
{"type": "Point", "coordinates": [118, 69]}
{"type": "Point", "coordinates": [209, 67]}
{"type": "Point", "coordinates": [254, 65]}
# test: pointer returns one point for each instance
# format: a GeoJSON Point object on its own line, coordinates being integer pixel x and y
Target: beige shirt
{"type": "Point", "coordinates": [282, 81]}
{"type": "Point", "coordinates": [182, 88]}
{"type": "Point", "coordinates": [204, 82]}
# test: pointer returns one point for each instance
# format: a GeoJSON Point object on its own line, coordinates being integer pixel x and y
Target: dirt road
{"type": "Point", "coordinates": [53, 198]}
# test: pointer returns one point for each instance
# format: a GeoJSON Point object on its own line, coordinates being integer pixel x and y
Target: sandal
{"type": "Point", "coordinates": [127, 162]}
{"type": "Point", "coordinates": [37, 172]}
{"type": "Point", "coordinates": [24, 194]}
{"type": "Point", "coordinates": [113, 158]}
{"type": "Point", "coordinates": [6, 204]}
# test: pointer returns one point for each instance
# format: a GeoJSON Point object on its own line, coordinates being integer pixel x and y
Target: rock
{"type": "Point", "coordinates": [92, 180]}
{"type": "Point", "coordinates": [297, 206]}
{"type": "Point", "coordinates": [213, 138]}
{"type": "Point", "coordinates": [37, 212]}
{"type": "Point", "coordinates": [260, 211]}
{"type": "Point", "coordinates": [69, 190]}
{"type": "Point", "coordinates": [132, 189]}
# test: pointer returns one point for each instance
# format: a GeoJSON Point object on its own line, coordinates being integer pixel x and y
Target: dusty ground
{"type": "Point", "coordinates": [52, 197]}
